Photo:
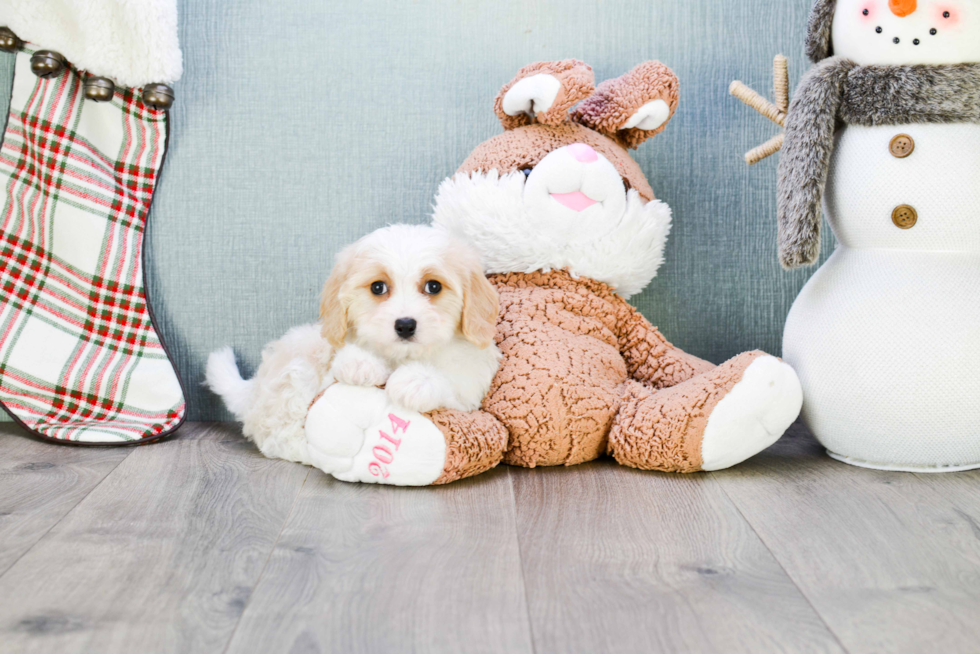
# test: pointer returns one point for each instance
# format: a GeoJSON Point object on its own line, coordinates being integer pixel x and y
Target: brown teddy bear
{"type": "Point", "coordinates": [568, 228]}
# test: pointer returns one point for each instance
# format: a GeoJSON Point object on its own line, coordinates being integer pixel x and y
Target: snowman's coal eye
{"type": "Point", "coordinates": [945, 14]}
{"type": "Point", "coordinates": [879, 30]}
{"type": "Point", "coordinates": [866, 12]}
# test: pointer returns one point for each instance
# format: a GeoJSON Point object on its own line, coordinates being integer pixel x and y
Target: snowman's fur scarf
{"type": "Point", "coordinates": [901, 95]}
{"type": "Point", "coordinates": [838, 91]}
{"type": "Point", "coordinates": [487, 211]}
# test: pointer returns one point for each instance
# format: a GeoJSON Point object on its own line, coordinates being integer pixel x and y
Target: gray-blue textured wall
{"type": "Point", "coordinates": [302, 125]}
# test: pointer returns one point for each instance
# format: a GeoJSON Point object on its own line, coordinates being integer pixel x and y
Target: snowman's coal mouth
{"type": "Point", "coordinates": [915, 41]}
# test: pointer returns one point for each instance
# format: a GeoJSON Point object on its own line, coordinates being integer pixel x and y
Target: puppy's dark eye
{"type": "Point", "coordinates": [433, 287]}
{"type": "Point", "coordinates": [379, 288]}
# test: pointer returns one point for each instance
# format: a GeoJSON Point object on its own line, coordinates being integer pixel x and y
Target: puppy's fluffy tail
{"type": "Point", "coordinates": [222, 377]}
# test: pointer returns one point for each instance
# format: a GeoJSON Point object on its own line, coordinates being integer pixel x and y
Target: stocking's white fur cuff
{"type": "Point", "coordinates": [133, 42]}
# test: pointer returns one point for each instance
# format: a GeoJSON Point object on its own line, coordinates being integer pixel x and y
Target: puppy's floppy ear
{"type": "Point", "coordinates": [543, 92]}
{"type": "Point", "coordinates": [333, 312]}
{"type": "Point", "coordinates": [632, 108]}
{"type": "Point", "coordinates": [480, 308]}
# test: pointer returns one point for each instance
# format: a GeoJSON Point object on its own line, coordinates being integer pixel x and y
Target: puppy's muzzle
{"type": "Point", "coordinates": [405, 327]}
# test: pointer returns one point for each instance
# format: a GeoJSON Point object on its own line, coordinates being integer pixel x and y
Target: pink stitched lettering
{"type": "Point", "coordinates": [394, 441]}
{"type": "Point", "coordinates": [383, 451]}
{"type": "Point", "coordinates": [382, 454]}
{"type": "Point", "coordinates": [397, 423]}
{"type": "Point", "coordinates": [375, 469]}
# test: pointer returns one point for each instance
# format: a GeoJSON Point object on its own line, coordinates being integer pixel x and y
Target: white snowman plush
{"type": "Point", "coordinates": [884, 132]}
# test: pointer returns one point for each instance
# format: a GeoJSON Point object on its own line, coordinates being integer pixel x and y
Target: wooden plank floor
{"type": "Point", "coordinates": [199, 544]}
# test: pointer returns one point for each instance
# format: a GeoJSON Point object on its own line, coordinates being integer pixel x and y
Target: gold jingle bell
{"type": "Point", "coordinates": [158, 96]}
{"type": "Point", "coordinates": [8, 40]}
{"type": "Point", "coordinates": [48, 64]}
{"type": "Point", "coordinates": [99, 89]}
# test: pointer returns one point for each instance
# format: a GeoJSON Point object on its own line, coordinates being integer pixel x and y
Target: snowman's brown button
{"type": "Point", "coordinates": [901, 146]}
{"type": "Point", "coordinates": [905, 217]}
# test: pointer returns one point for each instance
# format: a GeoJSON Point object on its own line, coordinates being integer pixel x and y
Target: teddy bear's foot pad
{"type": "Point", "coordinates": [753, 415]}
{"type": "Point", "coordinates": [336, 422]}
{"type": "Point", "coordinates": [356, 435]}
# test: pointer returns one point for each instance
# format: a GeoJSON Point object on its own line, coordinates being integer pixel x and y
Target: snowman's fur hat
{"type": "Point", "coordinates": [818, 31]}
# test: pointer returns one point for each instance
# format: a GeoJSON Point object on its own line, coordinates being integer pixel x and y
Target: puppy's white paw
{"type": "Point", "coordinates": [754, 414]}
{"type": "Point", "coordinates": [418, 387]}
{"type": "Point", "coordinates": [336, 422]}
{"type": "Point", "coordinates": [357, 367]}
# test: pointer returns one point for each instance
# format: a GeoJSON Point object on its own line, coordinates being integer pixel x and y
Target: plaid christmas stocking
{"type": "Point", "coordinates": [80, 359]}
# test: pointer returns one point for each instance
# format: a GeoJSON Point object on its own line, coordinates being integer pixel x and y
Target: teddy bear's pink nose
{"type": "Point", "coordinates": [583, 153]}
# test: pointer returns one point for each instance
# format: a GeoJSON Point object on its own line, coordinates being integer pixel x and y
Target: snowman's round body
{"type": "Point", "coordinates": [886, 335]}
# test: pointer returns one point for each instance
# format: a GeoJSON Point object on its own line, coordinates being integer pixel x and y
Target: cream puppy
{"type": "Point", "coordinates": [406, 307]}
{"type": "Point", "coordinates": [409, 308]}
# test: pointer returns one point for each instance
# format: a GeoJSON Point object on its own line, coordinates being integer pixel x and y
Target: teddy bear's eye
{"type": "Point", "coordinates": [379, 288]}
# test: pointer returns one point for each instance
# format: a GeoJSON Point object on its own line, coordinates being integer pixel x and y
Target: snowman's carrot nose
{"type": "Point", "coordinates": [902, 8]}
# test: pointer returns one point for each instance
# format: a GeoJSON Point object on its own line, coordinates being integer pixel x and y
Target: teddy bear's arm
{"type": "Point", "coordinates": [650, 358]}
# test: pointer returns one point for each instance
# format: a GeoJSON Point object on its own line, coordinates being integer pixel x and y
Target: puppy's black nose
{"type": "Point", "coordinates": [405, 327]}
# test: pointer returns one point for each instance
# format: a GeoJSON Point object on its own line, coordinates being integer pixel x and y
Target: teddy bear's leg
{"type": "Point", "coordinates": [709, 422]}
{"type": "Point", "coordinates": [356, 434]}
{"type": "Point", "coordinates": [475, 442]}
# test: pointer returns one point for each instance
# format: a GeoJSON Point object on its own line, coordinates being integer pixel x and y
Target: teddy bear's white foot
{"type": "Point", "coordinates": [336, 422]}
{"type": "Point", "coordinates": [355, 434]}
{"type": "Point", "coordinates": [753, 415]}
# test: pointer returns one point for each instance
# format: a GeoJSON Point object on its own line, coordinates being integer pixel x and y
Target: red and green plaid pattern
{"type": "Point", "coordinates": [80, 359]}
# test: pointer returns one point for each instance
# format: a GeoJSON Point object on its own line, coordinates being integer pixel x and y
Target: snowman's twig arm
{"type": "Point", "coordinates": [774, 112]}
{"type": "Point", "coordinates": [780, 81]}
{"type": "Point", "coordinates": [767, 149]}
{"type": "Point", "coordinates": [805, 161]}
{"type": "Point", "coordinates": [757, 102]}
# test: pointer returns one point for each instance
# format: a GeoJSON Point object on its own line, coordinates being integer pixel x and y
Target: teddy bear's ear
{"type": "Point", "coordinates": [634, 107]}
{"type": "Point", "coordinates": [544, 92]}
